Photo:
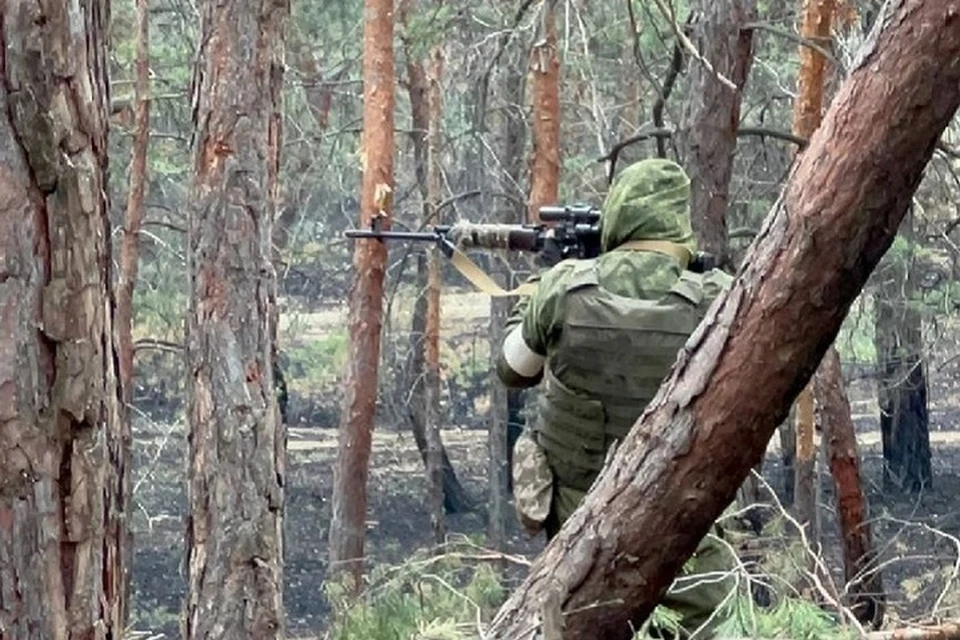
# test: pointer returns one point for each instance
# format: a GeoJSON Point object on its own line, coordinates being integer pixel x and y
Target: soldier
{"type": "Point", "coordinates": [602, 334]}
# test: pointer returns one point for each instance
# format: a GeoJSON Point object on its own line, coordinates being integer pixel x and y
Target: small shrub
{"type": "Point", "coordinates": [437, 598]}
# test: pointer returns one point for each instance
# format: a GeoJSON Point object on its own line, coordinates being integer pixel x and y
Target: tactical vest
{"type": "Point", "coordinates": [613, 354]}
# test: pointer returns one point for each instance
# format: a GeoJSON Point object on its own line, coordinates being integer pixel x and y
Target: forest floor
{"type": "Point", "coordinates": [921, 561]}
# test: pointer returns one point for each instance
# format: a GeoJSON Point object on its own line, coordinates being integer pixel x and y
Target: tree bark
{"type": "Point", "coordinates": [64, 442]}
{"type": "Point", "coordinates": [545, 159]}
{"type": "Point", "coordinates": [711, 116]}
{"type": "Point", "coordinates": [236, 439]}
{"type": "Point", "coordinates": [676, 471]}
{"type": "Point", "coordinates": [865, 586]}
{"type": "Point", "coordinates": [130, 244]}
{"type": "Point", "coordinates": [347, 527]}
{"type": "Point", "coordinates": [708, 136]}
{"type": "Point", "coordinates": [432, 379]}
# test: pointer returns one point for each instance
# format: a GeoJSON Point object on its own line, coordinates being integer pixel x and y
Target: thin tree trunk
{"type": "Point", "coordinates": [711, 116]}
{"type": "Point", "coordinates": [455, 497]}
{"type": "Point", "coordinates": [432, 378]}
{"type": "Point", "coordinates": [545, 159]}
{"type": "Point", "coordinates": [64, 452]}
{"type": "Point", "coordinates": [708, 137]}
{"type": "Point", "coordinates": [236, 441]}
{"type": "Point", "coordinates": [347, 527]}
{"type": "Point", "coordinates": [675, 472]}
{"type": "Point", "coordinates": [902, 387]}
{"type": "Point", "coordinates": [504, 403]}
{"type": "Point", "coordinates": [865, 585]}
{"type": "Point", "coordinates": [497, 440]}
{"type": "Point", "coordinates": [807, 113]}
{"type": "Point", "coordinates": [130, 244]}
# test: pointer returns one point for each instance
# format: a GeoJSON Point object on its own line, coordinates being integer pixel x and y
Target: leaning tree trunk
{"type": "Point", "coordinates": [64, 448]}
{"type": "Point", "coordinates": [236, 439]}
{"type": "Point", "coordinates": [347, 527]}
{"type": "Point", "coordinates": [711, 116]}
{"type": "Point", "coordinates": [676, 470]}
{"type": "Point", "coordinates": [902, 385]}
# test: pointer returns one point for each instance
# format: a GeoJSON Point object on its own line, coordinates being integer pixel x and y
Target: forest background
{"type": "Point", "coordinates": [500, 108]}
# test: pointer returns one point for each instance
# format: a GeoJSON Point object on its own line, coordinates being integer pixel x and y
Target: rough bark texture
{"type": "Point", "coordinates": [864, 585]}
{"type": "Point", "coordinates": [236, 439]}
{"type": "Point", "coordinates": [432, 379]}
{"type": "Point", "coordinates": [545, 159]}
{"type": "Point", "coordinates": [130, 244]}
{"type": "Point", "coordinates": [676, 471]}
{"type": "Point", "coordinates": [366, 296]}
{"type": "Point", "coordinates": [64, 447]}
{"type": "Point", "coordinates": [711, 116]}
{"type": "Point", "coordinates": [816, 16]}
{"type": "Point", "coordinates": [902, 386]}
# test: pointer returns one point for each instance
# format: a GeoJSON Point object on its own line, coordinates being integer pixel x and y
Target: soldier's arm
{"type": "Point", "coordinates": [528, 332]}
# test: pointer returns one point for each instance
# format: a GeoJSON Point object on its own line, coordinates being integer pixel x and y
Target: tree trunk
{"type": "Point", "coordinates": [807, 113]}
{"type": "Point", "coordinates": [130, 244]}
{"type": "Point", "coordinates": [865, 585]}
{"type": "Point", "coordinates": [455, 497]}
{"type": "Point", "coordinates": [545, 159]}
{"type": "Point", "coordinates": [64, 452]}
{"type": "Point", "coordinates": [347, 527]}
{"type": "Point", "coordinates": [236, 440]}
{"type": "Point", "coordinates": [675, 472]}
{"type": "Point", "coordinates": [902, 387]}
{"type": "Point", "coordinates": [497, 441]}
{"type": "Point", "coordinates": [432, 378]}
{"type": "Point", "coordinates": [708, 136]}
{"type": "Point", "coordinates": [505, 404]}
{"type": "Point", "coordinates": [711, 116]}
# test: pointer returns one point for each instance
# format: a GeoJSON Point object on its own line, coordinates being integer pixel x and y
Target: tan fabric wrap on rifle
{"type": "Point", "coordinates": [469, 269]}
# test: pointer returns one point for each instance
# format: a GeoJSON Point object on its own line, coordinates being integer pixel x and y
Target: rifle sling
{"type": "Point", "coordinates": [672, 249]}
{"type": "Point", "coordinates": [482, 281]}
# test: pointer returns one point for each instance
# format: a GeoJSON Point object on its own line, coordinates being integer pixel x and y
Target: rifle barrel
{"type": "Point", "coordinates": [394, 235]}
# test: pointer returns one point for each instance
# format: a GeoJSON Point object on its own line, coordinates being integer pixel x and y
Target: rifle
{"type": "Point", "coordinates": [575, 233]}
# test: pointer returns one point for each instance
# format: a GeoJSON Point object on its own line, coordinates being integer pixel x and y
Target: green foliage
{"type": "Point", "coordinates": [793, 618]}
{"type": "Point", "coordinates": [317, 363]}
{"type": "Point", "coordinates": [855, 342]}
{"type": "Point", "coordinates": [440, 598]}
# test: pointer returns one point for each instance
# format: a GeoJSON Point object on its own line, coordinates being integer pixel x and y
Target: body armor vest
{"type": "Point", "coordinates": [614, 352]}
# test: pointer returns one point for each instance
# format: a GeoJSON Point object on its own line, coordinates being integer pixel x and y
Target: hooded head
{"type": "Point", "coordinates": [650, 200]}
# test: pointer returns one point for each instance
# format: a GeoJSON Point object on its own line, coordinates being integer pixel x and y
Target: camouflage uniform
{"type": "Point", "coordinates": [602, 334]}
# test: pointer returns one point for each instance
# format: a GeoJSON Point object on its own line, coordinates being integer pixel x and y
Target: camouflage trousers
{"type": "Point", "coordinates": [696, 594]}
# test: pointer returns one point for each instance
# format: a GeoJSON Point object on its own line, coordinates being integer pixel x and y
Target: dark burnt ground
{"type": "Point", "coordinates": [399, 525]}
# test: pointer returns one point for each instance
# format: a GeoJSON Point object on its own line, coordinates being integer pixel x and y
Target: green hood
{"type": "Point", "coordinates": [650, 200]}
